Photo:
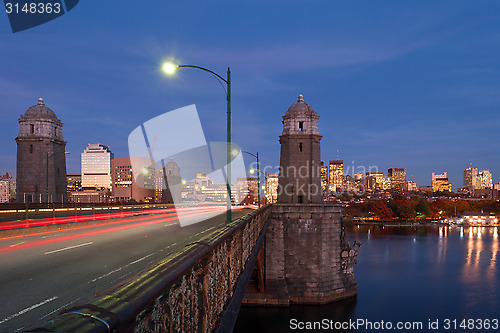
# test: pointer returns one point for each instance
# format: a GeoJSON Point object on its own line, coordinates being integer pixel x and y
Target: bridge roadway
{"type": "Point", "coordinates": [42, 273]}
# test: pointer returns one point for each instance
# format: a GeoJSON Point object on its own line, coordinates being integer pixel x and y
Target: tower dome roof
{"type": "Point", "coordinates": [300, 107]}
{"type": "Point", "coordinates": [40, 111]}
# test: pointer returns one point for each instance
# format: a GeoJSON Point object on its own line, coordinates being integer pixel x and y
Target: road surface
{"type": "Point", "coordinates": [44, 272]}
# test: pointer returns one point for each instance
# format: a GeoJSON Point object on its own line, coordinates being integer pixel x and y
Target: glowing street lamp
{"type": "Point", "coordinates": [170, 68]}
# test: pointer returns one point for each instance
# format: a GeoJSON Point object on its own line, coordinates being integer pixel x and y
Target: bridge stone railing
{"type": "Point", "coordinates": [189, 291]}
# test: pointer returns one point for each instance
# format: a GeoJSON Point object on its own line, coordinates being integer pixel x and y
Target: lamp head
{"type": "Point", "coordinates": [169, 67]}
{"type": "Point", "coordinates": [252, 171]}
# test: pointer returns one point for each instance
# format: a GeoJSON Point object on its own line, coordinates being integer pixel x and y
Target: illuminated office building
{"type": "Point", "coordinates": [386, 183]}
{"type": "Point", "coordinates": [128, 185]}
{"type": "Point", "coordinates": [323, 172]}
{"type": "Point", "coordinates": [272, 188]}
{"type": "Point", "coordinates": [336, 178]}
{"type": "Point", "coordinates": [411, 186]}
{"type": "Point", "coordinates": [96, 166]}
{"type": "Point", "coordinates": [484, 180]}
{"type": "Point", "coordinates": [440, 183]}
{"type": "Point", "coordinates": [248, 190]}
{"type": "Point", "coordinates": [398, 178]}
{"type": "Point", "coordinates": [374, 180]}
{"type": "Point", "coordinates": [470, 175]}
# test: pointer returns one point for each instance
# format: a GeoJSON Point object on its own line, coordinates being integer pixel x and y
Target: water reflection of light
{"type": "Point", "coordinates": [479, 248]}
{"type": "Point", "coordinates": [461, 232]}
{"type": "Point", "coordinates": [470, 248]}
{"type": "Point", "coordinates": [440, 232]}
{"type": "Point", "coordinates": [495, 233]}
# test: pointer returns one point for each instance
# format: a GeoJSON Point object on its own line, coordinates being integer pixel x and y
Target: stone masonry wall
{"type": "Point", "coordinates": [306, 246]}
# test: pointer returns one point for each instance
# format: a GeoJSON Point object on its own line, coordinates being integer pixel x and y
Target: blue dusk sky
{"type": "Point", "coordinates": [413, 84]}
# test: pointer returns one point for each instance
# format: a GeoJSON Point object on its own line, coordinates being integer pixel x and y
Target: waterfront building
{"type": "Point", "coordinates": [336, 177]}
{"type": "Point", "coordinates": [484, 180]}
{"type": "Point", "coordinates": [440, 183]}
{"type": "Point", "coordinates": [496, 187]}
{"type": "Point", "coordinates": [272, 188]}
{"type": "Point", "coordinates": [479, 218]}
{"type": "Point", "coordinates": [129, 184]}
{"type": "Point", "coordinates": [398, 178]}
{"type": "Point", "coordinates": [41, 158]}
{"type": "Point", "coordinates": [300, 159]}
{"type": "Point", "coordinates": [470, 175]}
{"type": "Point", "coordinates": [96, 166]}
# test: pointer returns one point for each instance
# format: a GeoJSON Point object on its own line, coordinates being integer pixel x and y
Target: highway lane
{"type": "Point", "coordinates": [41, 274]}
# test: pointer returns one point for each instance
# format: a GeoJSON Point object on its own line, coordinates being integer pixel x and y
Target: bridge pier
{"type": "Point", "coordinates": [308, 259]}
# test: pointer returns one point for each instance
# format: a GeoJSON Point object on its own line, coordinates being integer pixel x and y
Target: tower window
{"type": "Point", "coordinates": [300, 146]}
{"type": "Point", "coordinates": [301, 126]}
{"type": "Point", "coordinates": [31, 149]}
{"type": "Point", "coordinates": [32, 127]}
{"type": "Point", "coordinates": [301, 199]}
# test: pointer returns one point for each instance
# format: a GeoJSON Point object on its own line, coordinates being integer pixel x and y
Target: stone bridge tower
{"type": "Point", "coordinates": [306, 257]}
{"type": "Point", "coordinates": [300, 162]}
{"type": "Point", "coordinates": [41, 159]}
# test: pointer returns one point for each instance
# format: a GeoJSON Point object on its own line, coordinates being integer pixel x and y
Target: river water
{"type": "Point", "coordinates": [424, 279]}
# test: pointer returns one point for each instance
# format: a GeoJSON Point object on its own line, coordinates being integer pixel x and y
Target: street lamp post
{"type": "Point", "coordinates": [258, 172]}
{"type": "Point", "coordinates": [170, 68]}
{"type": "Point", "coordinates": [47, 179]}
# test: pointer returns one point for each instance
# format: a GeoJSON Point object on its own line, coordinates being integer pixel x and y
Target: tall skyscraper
{"type": "Point", "coordinates": [300, 161]}
{"type": "Point", "coordinates": [41, 159]}
{"type": "Point", "coordinates": [484, 180]}
{"type": "Point", "coordinates": [336, 178]}
{"type": "Point", "coordinates": [470, 175]}
{"type": "Point", "coordinates": [272, 187]}
{"type": "Point", "coordinates": [96, 166]}
{"type": "Point", "coordinates": [398, 178]}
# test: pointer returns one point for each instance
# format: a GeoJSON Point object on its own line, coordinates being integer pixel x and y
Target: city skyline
{"type": "Point", "coordinates": [422, 98]}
